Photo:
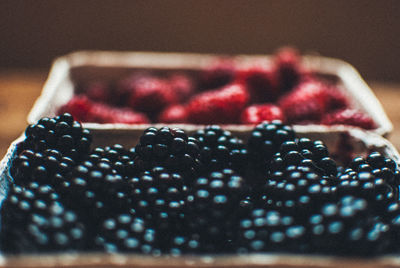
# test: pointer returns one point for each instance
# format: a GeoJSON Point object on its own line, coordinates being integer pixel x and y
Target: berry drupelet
{"type": "Point", "coordinates": [220, 149]}
{"type": "Point", "coordinates": [170, 148]}
{"type": "Point", "coordinates": [34, 220]}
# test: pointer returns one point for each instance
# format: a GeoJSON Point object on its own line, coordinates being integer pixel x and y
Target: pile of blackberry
{"type": "Point", "coordinates": [210, 192]}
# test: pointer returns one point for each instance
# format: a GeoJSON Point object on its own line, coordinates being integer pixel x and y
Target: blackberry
{"type": "Point", "coordinates": [380, 166]}
{"type": "Point", "coordinates": [51, 146]}
{"type": "Point", "coordinates": [170, 148]}
{"type": "Point", "coordinates": [264, 141]}
{"type": "Point", "coordinates": [61, 133]}
{"type": "Point", "coordinates": [220, 149]}
{"type": "Point", "coordinates": [40, 167]}
{"type": "Point", "coordinates": [394, 224]}
{"type": "Point", "coordinates": [348, 227]}
{"type": "Point", "coordinates": [307, 153]}
{"type": "Point", "coordinates": [160, 197]}
{"type": "Point", "coordinates": [120, 159]}
{"type": "Point", "coordinates": [97, 183]}
{"type": "Point", "coordinates": [127, 233]}
{"type": "Point", "coordinates": [297, 190]}
{"type": "Point", "coordinates": [270, 230]}
{"type": "Point", "coordinates": [34, 220]}
{"type": "Point", "coordinates": [366, 185]}
{"type": "Point", "coordinates": [212, 206]}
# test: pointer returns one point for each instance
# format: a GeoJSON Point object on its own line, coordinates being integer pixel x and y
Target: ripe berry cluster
{"type": "Point", "coordinates": [225, 92]}
{"type": "Point", "coordinates": [207, 193]}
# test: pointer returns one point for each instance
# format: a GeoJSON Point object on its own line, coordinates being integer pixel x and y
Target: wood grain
{"type": "Point", "coordinates": [20, 88]}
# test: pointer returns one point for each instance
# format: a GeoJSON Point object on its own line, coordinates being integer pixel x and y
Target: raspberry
{"type": "Point", "coordinates": [220, 73]}
{"type": "Point", "coordinates": [309, 101]}
{"type": "Point", "coordinates": [34, 220]}
{"type": "Point", "coordinates": [220, 149]}
{"type": "Point", "coordinates": [173, 114]}
{"type": "Point", "coordinates": [97, 91]}
{"type": "Point", "coordinates": [79, 107]}
{"type": "Point", "coordinates": [335, 100]}
{"type": "Point", "coordinates": [88, 111]}
{"type": "Point", "coordinates": [288, 68]}
{"type": "Point", "coordinates": [106, 114]}
{"type": "Point", "coordinates": [222, 105]}
{"type": "Point", "coordinates": [182, 86]}
{"type": "Point", "coordinates": [151, 95]}
{"type": "Point", "coordinates": [260, 82]}
{"type": "Point", "coordinates": [258, 113]}
{"type": "Point", "coordinates": [349, 117]}
{"type": "Point", "coordinates": [125, 87]}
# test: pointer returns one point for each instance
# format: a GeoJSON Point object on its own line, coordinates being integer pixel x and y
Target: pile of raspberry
{"type": "Point", "coordinates": [206, 193]}
{"type": "Point", "coordinates": [223, 93]}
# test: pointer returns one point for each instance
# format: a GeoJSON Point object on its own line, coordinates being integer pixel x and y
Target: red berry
{"type": "Point", "coordinates": [126, 86]}
{"type": "Point", "coordinates": [151, 95]}
{"type": "Point", "coordinates": [310, 100]}
{"type": "Point", "coordinates": [349, 117]}
{"type": "Point", "coordinates": [101, 113]}
{"type": "Point", "coordinates": [79, 107]}
{"type": "Point", "coordinates": [98, 91]}
{"type": "Point", "coordinates": [182, 86]}
{"type": "Point", "coordinates": [335, 99]}
{"type": "Point", "coordinates": [218, 74]}
{"type": "Point", "coordinates": [288, 68]}
{"type": "Point", "coordinates": [173, 114]}
{"type": "Point", "coordinates": [220, 106]}
{"type": "Point", "coordinates": [260, 81]}
{"type": "Point", "coordinates": [85, 110]}
{"type": "Point", "coordinates": [258, 113]}
{"type": "Point", "coordinates": [304, 103]}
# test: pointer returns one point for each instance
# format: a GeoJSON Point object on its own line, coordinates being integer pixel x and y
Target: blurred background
{"type": "Point", "coordinates": [365, 33]}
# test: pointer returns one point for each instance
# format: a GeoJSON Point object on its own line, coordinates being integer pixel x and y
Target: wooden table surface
{"type": "Point", "coordinates": [20, 88]}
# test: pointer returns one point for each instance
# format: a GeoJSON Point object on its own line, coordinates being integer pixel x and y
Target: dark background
{"type": "Point", "coordinates": [365, 33]}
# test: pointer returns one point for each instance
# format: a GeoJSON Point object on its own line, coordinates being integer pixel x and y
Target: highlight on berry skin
{"type": "Point", "coordinates": [209, 192]}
